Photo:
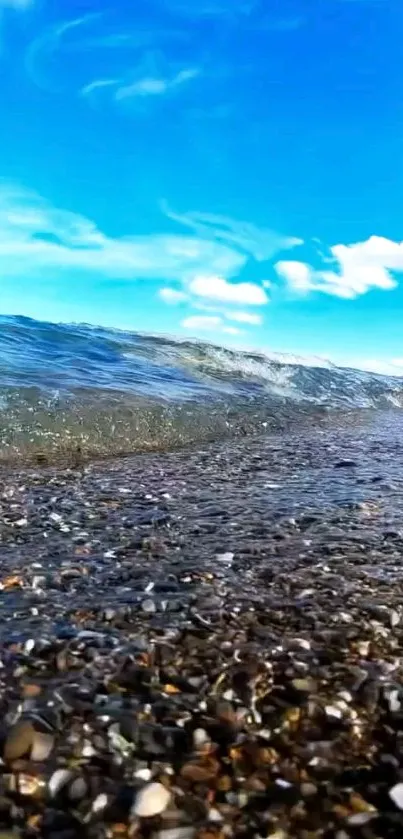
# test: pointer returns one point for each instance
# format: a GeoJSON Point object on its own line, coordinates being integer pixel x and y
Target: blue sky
{"type": "Point", "coordinates": [227, 169]}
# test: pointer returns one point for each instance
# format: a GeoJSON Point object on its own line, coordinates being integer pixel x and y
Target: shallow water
{"type": "Point", "coordinates": [106, 392]}
{"type": "Point", "coordinates": [250, 588]}
{"type": "Point", "coordinates": [333, 490]}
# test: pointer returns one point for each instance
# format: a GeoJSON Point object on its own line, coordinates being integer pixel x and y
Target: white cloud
{"type": "Point", "coordinates": [232, 330]}
{"type": "Point", "coordinates": [218, 288]}
{"type": "Point", "coordinates": [245, 317]}
{"type": "Point", "coordinates": [149, 86]}
{"type": "Point", "coordinates": [209, 323]}
{"type": "Point", "coordinates": [362, 266]}
{"type": "Point", "coordinates": [171, 295]}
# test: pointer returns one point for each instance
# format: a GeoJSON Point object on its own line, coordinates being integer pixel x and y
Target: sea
{"type": "Point", "coordinates": [99, 392]}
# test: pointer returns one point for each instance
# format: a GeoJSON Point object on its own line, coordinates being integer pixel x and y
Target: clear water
{"type": "Point", "coordinates": [110, 392]}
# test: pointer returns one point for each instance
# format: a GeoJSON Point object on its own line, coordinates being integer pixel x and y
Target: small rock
{"type": "Point", "coordinates": [78, 789]}
{"type": "Point", "coordinates": [151, 800]}
{"type": "Point", "coordinates": [143, 774]}
{"type": "Point", "coordinates": [304, 685]}
{"type": "Point", "coordinates": [42, 746]}
{"type": "Point", "coordinates": [58, 780]}
{"type": "Point", "coordinates": [149, 606]}
{"type": "Point", "coordinates": [176, 833]}
{"type": "Point", "coordinates": [396, 794]}
{"type": "Point", "coordinates": [226, 558]}
{"type": "Point", "coordinates": [344, 464]}
{"type": "Point", "coordinates": [359, 819]}
{"type": "Point", "coordinates": [100, 803]}
{"type": "Point", "coordinates": [200, 738]}
{"type": "Point", "coordinates": [19, 741]}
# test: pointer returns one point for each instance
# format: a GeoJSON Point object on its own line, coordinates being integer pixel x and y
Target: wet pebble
{"type": "Point", "coordinates": [151, 800]}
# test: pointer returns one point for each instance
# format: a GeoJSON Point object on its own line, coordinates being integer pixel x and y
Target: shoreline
{"type": "Point", "coordinates": [226, 622]}
{"type": "Point", "coordinates": [77, 454]}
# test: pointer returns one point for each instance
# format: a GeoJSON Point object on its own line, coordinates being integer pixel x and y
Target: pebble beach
{"type": "Point", "coordinates": [206, 643]}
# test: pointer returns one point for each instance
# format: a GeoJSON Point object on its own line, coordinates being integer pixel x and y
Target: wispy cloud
{"type": "Point", "coordinates": [150, 86]}
{"type": "Point", "coordinates": [36, 238]}
{"type": "Point", "coordinates": [34, 235]}
{"type": "Point", "coordinates": [360, 267]}
{"type": "Point", "coordinates": [142, 88]}
{"type": "Point", "coordinates": [42, 50]}
{"type": "Point", "coordinates": [138, 56]}
{"type": "Point", "coordinates": [260, 243]}
{"type": "Point", "coordinates": [98, 84]}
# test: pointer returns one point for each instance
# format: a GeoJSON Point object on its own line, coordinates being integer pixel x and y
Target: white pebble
{"type": "Point", "coordinates": [58, 780]}
{"type": "Point", "coordinates": [176, 833]}
{"type": "Point", "coordinates": [151, 800]}
{"type": "Point", "coordinates": [396, 794]}
{"type": "Point", "coordinates": [394, 701]}
{"type": "Point", "coordinates": [214, 815]}
{"type": "Point", "coordinates": [88, 749]}
{"type": "Point", "coordinates": [226, 557]}
{"type": "Point", "coordinates": [333, 711]}
{"type": "Point", "coordinates": [100, 802]}
{"type": "Point", "coordinates": [359, 819]}
{"type": "Point", "coordinates": [144, 774]}
{"type": "Point", "coordinates": [200, 738]}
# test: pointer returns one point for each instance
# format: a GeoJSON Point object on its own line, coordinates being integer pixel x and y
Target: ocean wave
{"type": "Point", "coordinates": [82, 391]}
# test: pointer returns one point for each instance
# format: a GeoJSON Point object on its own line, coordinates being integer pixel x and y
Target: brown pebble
{"type": "Point", "coordinates": [19, 741]}
{"type": "Point", "coordinates": [30, 690]}
{"type": "Point", "coordinates": [200, 772]}
{"type": "Point", "coordinates": [224, 783]}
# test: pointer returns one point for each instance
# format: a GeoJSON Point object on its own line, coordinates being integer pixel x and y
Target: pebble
{"type": "Point", "coordinates": [304, 685]}
{"type": "Point", "coordinates": [176, 833]}
{"type": "Point", "coordinates": [149, 606]}
{"type": "Point", "coordinates": [396, 794]}
{"type": "Point", "coordinates": [58, 780]}
{"type": "Point", "coordinates": [226, 558]}
{"type": "Point", "coordinates": [200, 738]}
{"type": "Point", "coordinates": [78, 789]}
{"type": "Point", "coordinates": [19, 741]}
{"type": "Point", "coordinates": [151, 800]}
{"type": "Point", "coordinates": [42, 746]}
{"type": "Point", "coordinates": [243, 707]}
